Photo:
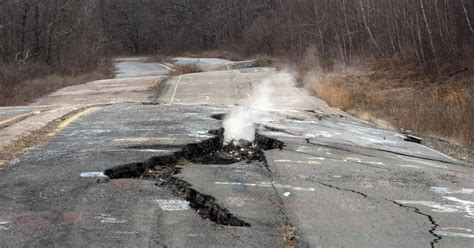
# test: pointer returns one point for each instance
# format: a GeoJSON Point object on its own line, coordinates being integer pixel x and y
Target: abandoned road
{"type": "Point", "coordinates": [135, 165]}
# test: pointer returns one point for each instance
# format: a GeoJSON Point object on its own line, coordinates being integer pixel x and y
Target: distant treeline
{"type": "Point", "coordinates": [76, 33]}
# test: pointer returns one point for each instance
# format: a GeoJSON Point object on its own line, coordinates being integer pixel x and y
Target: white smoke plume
{"type": "Point", "coordinates": [240, 124]}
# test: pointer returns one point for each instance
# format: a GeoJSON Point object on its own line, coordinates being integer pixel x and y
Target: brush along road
{"type": "Point", "coordinates": [143, 175]}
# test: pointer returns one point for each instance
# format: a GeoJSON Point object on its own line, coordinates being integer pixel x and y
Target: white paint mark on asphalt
{"type": "Point", "coordinates": [457, 228]}
{"type": "Point", "coordinates": [127, 232]}
{"type": "Point", "coordinates": [317, 158]}
{"type": "Point", "coordinates": [377, 163]}
{"type": "Point", "coordinates": [437, 207]}
{"type": "Point", "coordinates": [296, 162]}
{"type": "Point", "coordinates": [423, 162]}
{"type": "Point", "coordinates": [267, 184]}
{"type": "Point", "coordinates": [207, 98]}
{"type": "Point", "coordinates": [357, 160]}
{"type": "Point", "coordinates": [319, 134]}
{"type": "Point", "coordinates": [450, 191]}
{"type": "Point", "coordinates": [93, 174]}
{"type": "Point", "coordinates": [236, 201]}
{"type": "Point", "coordinates": [144, 139]}
{"type": "Point", "coordinates": [377, 141]}
{"type": "Point", "coordinates": [452, 234]}
{"type": "Point", "coordinates": [175, 90]}
{"type": "Point", "coordinates": [152, 150]}
{"type": "Point", "coordinates": [4, 225]}
{"type": "Point", "coordinates": [411, 166]}
{"type": "Point", "coordinates": [173, 205]}
{"type": "Point", "coordinates": [287, 194]}
{"type": "Point", "coordinates": [107, 218]}
{"type": "Point", "coordinates": [460, 206]}
{"type": "Point", "coordinates": [352, 160]}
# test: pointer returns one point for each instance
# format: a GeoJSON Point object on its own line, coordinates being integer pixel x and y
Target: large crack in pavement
{"type": "Point", "coordinates": [435, 225]}
{"type": "Point", "coordinates": [430, 218]}
{"type": "Point", "coordinates": [211, 151]}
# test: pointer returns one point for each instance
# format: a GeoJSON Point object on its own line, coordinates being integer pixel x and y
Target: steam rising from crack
{"type": "Point", "coordinates": [240, 123]}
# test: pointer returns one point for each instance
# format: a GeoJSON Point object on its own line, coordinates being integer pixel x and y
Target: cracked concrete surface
{"type": "Point", "coordinates": [339, 181]}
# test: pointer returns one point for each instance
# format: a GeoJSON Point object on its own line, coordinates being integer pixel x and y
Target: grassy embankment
{"type": "Point", "coordinates": [398, 95]}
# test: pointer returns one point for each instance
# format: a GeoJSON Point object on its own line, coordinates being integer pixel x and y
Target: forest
{"type": "Point", "coordinates": [69, 34]}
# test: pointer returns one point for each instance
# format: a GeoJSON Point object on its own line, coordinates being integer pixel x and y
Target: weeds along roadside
{"type": "Point", "coordinates": [441, 108]}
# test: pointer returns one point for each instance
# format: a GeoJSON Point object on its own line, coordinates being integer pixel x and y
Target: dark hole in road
{"type": "Point", "coordinates": [210, 151]}
{"type": "Point", "coordinates": [219, 117]}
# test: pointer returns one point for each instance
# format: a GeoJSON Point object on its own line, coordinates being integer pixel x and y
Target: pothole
{"type": "Point", "coordinates": [210, 151]}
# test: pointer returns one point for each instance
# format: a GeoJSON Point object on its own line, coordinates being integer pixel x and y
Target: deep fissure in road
{"type": "Point", "coordinates": [210, 151]}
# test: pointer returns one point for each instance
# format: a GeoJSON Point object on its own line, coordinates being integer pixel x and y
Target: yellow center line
{"type": "Point", "coordinates": [70, 120]}
{"type": "Point", "coordinates": [175, 89]}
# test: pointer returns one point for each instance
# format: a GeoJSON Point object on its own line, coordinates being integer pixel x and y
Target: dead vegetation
{"type": "Point", "coordinates": [20, 85]}
{"type": "Point", "coordinates": [398, 95]}
{"type": "Point", "coordinates": [186, 69]}
{"type": "Point", "coordinates": [289, 236]}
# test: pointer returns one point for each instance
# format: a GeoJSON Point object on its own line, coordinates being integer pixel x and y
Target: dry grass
{"type": "Point", "coordinates": [289, 236]}
{"type": "Point", "coordinates": [186, 69]}
{"type": "Point", "coordinates": [16, 90]}
{"type": "Point", "coordinates": [399, 97]}
{"type": "Point", "coordinates": [216, 54]}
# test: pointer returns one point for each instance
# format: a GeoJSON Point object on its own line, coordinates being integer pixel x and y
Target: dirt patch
{"type": "Point", "coordinates": [212, 151]}
{"type": "Point", "coordinates": [186, 69]}
{"type": "Point", "coordinates": [289, 236]}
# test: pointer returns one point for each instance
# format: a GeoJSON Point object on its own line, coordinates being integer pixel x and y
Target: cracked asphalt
{"type": "Point", "coordinates": [339, 181]}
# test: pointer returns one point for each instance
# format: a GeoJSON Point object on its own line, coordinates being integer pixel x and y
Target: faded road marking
{"type": "Point", "coordinates": [267, 184]}
{"type": "Point", "coordinates": [357, 160]}
{"type": "Point", "coordinates": [107, 218]}
{"type": "Point", "coordinates": [452, 234]}
{"type": "Point", "coordinates": [449, 191]}
{"type": "Point", "coordinates": [93, 174]}
{"type": "Point", "coordinates": [70, 120]}
{"type": "Point", "coordinates": [4, 225]}
{"type": "Point", "coordinates": [236, 201]}
{"type": "Point", "coordinates": [411, 166]}
{"type": "Point", "coordinates": [297, 162]}
{"type": "Point", "coordinates": [144, 139]}
{"type": "Point", "coordinates": [175, 89]}
{"type": "Point", "coordinates": [173, 205]}
{"type": "Point", "coordinates": [457, 228]}
{"type": "Point", "coordinates": [459, 206]}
